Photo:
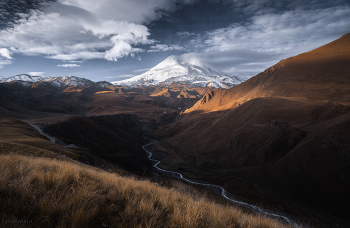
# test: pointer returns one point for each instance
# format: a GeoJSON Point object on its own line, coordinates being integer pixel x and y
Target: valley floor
{"type": "Point", "coordinates": [42, 185]}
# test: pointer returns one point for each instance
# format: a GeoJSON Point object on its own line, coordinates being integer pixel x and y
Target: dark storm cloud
{"type": "Point", "coordinates": [258, 7]}
{"type": "Point", "coordinates": [11, 11]}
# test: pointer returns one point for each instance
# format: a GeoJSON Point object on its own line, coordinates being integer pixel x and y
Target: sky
{"type": "Point", "coordinates": [111, 40]}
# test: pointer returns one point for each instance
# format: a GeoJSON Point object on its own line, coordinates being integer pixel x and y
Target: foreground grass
{"type": "Point", "coordinates": [53, 193]}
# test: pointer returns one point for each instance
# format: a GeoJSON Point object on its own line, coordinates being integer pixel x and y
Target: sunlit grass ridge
{"type": "Point", "coordinates": [53, 193]}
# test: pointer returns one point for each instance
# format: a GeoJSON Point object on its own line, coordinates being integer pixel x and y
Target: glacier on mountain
{"type": "Point", "coordinates": [176, 69]}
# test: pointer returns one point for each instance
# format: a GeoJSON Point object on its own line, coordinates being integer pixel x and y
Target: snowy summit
{"type": "Point", "coordinates": [22, 77]}
{"type": "Point", "coordinates": [58, 82]}
{"type": "Point", "coordinates": [184, 71]}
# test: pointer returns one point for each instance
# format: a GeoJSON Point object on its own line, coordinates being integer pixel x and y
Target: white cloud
{"type": "Point", "coordinates": [51, 35]}
{"type": "Point", "coordinates": [69, 65]}
{"type": "Point", "coordinates": [290, 31]}
{"type": "Point", "coordinates": [121, 76]}
{"type": "Point", "coordinates": [5, 53]}
{"type": "Point", "coordinates": [76, 61]}
{"type": "Point", "coordinates": [185, 33]}
{"type": "Point", "coordinates": [142, 70]}
{"type": "Point", "coordinates": [122, 46]}
{"type": "Point", "coordinates": [85, 55]}
{"type": "Point", "coordinates": [249, 48]}
{"type": "Point", "coordinates": [4, 62]}
{"type": "Point", "coordinates": [165, 47]}
{"type": "Point", "coordinates": [235, 62]}
{"type": "Point", "coordinates": [36, 73]}
{"type": "Point", "coordinates": [72, 30]}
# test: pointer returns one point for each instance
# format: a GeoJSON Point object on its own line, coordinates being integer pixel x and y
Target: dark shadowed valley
{"type": "Point", "coordinates": [180, 113]}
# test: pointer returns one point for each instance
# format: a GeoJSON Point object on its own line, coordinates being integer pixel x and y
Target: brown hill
{"type": "Point", "coordinates": [149, 102]}
{"type": "Point", "coordinates": [286, 129]}
{"type": "Point", "coordinates": [319, 75]}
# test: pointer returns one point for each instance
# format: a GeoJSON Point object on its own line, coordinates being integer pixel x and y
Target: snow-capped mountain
{"type": "Point", "coordinates": [62, 81]}
{"type": "Point", "coordinates": [103, 84]}
{"type": "Point", "coordinates": [58, 82]}
{"type": "Point", "coordinates": [23, 78]}
{"type": "Point", "coordinates": [179, 70]}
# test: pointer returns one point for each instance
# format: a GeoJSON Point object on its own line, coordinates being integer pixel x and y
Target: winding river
{"type": "Point", "coordinates": [38, 129]}
{"type": "Point", "coordinates": [216, 188]}
{"type": "Point", "coordinates": [220, 190]}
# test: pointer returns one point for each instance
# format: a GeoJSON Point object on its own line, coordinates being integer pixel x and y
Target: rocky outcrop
{"type": "Point", "coordinates": [207, 97]}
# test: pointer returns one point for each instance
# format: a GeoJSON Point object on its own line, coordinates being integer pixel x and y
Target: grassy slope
{"type": "Point", "coordinates": [50, 191]}
{"type": "Point", "coordinates": [53, 193]}
{"type": "Point", "coordinates": [117, 139]}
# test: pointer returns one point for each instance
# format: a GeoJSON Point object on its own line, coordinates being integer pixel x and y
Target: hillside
{"type": "Point", "coordinates": [286, 129]}
{"type": "Point", "coordinates": [115, 138]}
{"type": "Point", "coordinates": [43, 185]}
{"type": "Point", "coordinates": [319, 75]}
{"type": "Point", "coordinates": [71, 95]}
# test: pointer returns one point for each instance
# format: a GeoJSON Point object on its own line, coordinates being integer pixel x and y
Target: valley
{"type": "Point", "coordinates": [276, 144]}
{"type": "Point", "coordinates": [284, 130]}
{"type": "Point", "coordinates": [174, 113]}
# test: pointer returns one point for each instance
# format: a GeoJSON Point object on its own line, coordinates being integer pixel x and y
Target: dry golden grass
{"type": "Point", "coordinates": [54, 193]}
{"type": "Point", "coordinates": [19, 138]}
{"type": "Point", "coordinates": [105, 92]}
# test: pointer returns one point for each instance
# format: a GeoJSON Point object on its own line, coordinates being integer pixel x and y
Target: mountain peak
{"type": "Point", "coordinates": [172, 57]}
{"type": "Point", "coordinates": [182, 70]}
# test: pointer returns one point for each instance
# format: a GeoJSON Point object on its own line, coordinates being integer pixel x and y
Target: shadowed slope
{"type": "Point", "coordinates": [115, 138]}
{"type": "Point", "coordinates": [284, 129]}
